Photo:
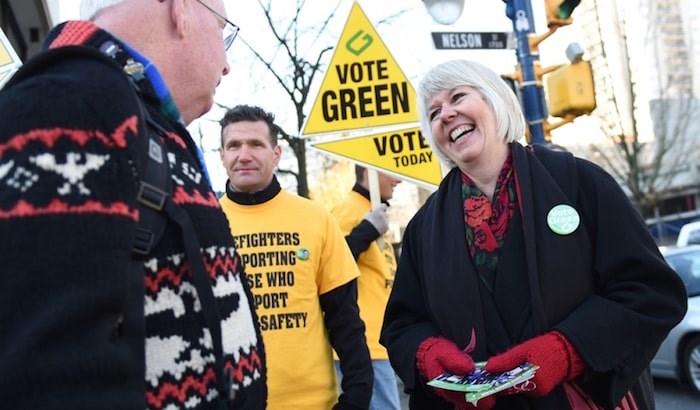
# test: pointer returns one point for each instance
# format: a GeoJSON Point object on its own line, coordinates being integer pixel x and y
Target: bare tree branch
{"type": "Point", "coordinates": [300, 68]}
{"type": "Point", "coordinates": [647, 165]}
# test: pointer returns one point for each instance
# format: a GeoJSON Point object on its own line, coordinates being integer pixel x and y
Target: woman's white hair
{"type": "Point", "coordinates": [89, 8]}
{"type": "Point", "coordinates": [510, 122]}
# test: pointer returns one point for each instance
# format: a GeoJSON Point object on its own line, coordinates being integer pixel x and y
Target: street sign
{"type": "Point", "coordinates": [9, 61]}
{"type": "Point", "coordinates": [364, 87]}
{"type": "Point", "coordinates": [473, 41]}
{"type": "Point", "coordinates": [401, 152]}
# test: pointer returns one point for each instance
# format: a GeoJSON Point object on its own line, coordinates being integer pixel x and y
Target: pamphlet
{"type": "Point", "coordinates": [479, 383]}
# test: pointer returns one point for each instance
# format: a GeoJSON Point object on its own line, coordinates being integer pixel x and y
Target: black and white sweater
{"type": "Point", "coordinates": [68, 215]}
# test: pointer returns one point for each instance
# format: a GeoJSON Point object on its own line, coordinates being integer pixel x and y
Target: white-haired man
{"type": "Point", "coordinates": [121, 285]}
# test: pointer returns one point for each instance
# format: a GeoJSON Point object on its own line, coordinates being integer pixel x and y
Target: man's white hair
{"type": "Point", "coordinates": [88, 8]}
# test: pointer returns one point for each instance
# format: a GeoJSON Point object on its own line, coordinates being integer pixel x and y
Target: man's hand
{"type": "Point", "coordinates": [379, 218]}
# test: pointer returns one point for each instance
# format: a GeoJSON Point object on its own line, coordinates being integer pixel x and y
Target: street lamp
{"type": "Point", "coordinates": [444, 11]}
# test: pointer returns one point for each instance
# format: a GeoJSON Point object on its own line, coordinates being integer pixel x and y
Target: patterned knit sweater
{"type": "Point", "coordinates": [77, 330]}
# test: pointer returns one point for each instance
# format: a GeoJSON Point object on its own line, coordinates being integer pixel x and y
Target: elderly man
{"type": "Point", "coordinates": [121, 286]}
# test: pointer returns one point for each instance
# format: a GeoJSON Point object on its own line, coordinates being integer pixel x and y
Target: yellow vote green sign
{"type": "Point", "coordinates": [9, 61]}
{"type": "Point", "coordinates": [363, 87]}
{"type": "Point", "coordinates": [402, 152]}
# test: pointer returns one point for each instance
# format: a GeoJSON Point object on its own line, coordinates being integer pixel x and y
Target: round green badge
{"type": "Point", "coordinates": [563, 219]}
{"type": "Point", "coordinates": [303, 254]}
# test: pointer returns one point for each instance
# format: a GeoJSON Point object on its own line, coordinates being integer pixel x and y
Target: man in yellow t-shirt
{"type": "Point", "coordinates": [377, 263]}
{"type": "Point", "coordinates": [301, 272]}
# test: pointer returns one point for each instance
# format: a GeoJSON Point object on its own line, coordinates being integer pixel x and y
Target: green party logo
{"type": "Point", "coordinates": [563, 219]}
{"type": "Point", "coordinates": [303, 254]}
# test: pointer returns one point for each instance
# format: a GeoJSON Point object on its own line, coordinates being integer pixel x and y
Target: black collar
{"type": "Point", "coordinates": [254, 198]}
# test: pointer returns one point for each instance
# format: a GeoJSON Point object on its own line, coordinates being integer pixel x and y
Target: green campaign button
{"type": "Point", "coordinates": [303, 254]}
{"type": "Point", "coordinates": [563, 219]}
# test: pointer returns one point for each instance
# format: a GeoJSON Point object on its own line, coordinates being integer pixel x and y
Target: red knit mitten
{"type": "Point", "coordinates": [437, 355]}
{"type": "Point", "coordinates": [557, 359]}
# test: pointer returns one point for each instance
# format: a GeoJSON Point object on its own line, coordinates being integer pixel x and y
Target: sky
{"type": "Point", "coordinates": [407, 37]}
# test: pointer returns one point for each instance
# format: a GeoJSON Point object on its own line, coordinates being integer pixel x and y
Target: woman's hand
{"type": "Point", "coordinates": [557, 359]}
{"type": "Point", "coordinates": [437, 355]}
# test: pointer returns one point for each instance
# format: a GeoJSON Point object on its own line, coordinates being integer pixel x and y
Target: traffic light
{"type": "Point", "coordinates": [570, 90]}
{"type": "Point", "coordinates": [559, 12]}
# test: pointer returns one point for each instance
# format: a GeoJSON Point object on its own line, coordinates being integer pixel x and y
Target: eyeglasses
{"type": "Point", "coordinates": [230, 29]}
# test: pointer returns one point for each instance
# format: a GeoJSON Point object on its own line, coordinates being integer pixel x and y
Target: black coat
{"type": "Point", "coordinates": [605, 286]}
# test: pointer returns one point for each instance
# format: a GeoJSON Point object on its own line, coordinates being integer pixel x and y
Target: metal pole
{"type": "Point", "coordinates": [532, 95]}
{"type": "Point", "coordinates": [375, 197]}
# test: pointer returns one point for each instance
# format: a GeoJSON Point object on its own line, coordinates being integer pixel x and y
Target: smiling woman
{"type": "Point", "coordinates": [479, 279]}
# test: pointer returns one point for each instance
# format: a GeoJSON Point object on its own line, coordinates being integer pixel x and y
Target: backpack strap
{"type": "Point", "coordinates": [154, 184]}
{"type": "Point", "coordinates": [155, 201]}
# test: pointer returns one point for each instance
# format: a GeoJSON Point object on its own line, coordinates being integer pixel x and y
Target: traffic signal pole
{"type": "Point", "coordinates": [532, 95]}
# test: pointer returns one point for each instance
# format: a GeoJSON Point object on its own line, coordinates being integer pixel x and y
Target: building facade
{"type": "Point", "coordinates": [26, 23]}
{"type": "Point", "coordinates": [645, 56]}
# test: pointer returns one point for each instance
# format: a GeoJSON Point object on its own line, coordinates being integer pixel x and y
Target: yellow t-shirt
{"type": "Point", "coordinates": [377, 268]}
{"type": "Point", "coordinates": [293, 251]}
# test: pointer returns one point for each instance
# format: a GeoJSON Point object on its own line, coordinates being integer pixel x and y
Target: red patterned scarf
{"type": "Point", "coordinates": [486, 223]}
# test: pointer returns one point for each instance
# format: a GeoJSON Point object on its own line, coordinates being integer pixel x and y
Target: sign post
{"type": "Point", "coordinates": [533, 102]}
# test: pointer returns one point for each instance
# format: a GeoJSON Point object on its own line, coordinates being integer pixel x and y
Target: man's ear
{"type": "Point", "coordinates": [277, 154]}
{"type": "Point", "coordinates": [180, 15]}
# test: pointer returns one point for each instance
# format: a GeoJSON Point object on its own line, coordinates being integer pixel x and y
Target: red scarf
{"type": "Point", "coordinates": [486, 223]}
